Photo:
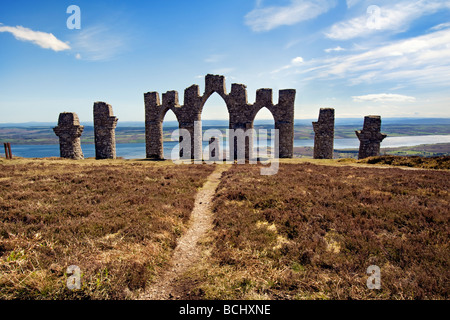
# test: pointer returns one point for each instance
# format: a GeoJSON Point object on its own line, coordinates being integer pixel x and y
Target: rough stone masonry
{"type": "Point", "coordinates": [241, 115]}
{"type": "Point", "coordinates": [370, 137]}
{"type": "Point", "coordinates": [324, 134]}
{"type": "Point", "coordinates": [104, 131]}
{"type": "Point", "coordinates": [69, 132]}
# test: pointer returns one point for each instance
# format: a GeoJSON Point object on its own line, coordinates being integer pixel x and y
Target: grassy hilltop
{"type": "Point", "coordinates": [311, 232]}
{"type": "Point", "coordinates": [308, 232]}
{"type": "Point", "coordinates": [117, 220]}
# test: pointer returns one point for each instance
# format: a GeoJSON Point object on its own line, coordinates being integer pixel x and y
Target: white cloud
{"type": "Point", "coordinates": [422, 60]}
{"type": "Point", "coordinates": [337, 49]}
{"type": "Point", "coordinates": [297, 61]}
{"type": "Point", "coordinates": [78, 56]}
{"type": "Point", "coordinates": [395, 18]}
{"type": "Point", "coordinates": [384, 97]}
{"type": "Point", "coordinates": [268, 18]}
{"type": "Point", "coordinates": [42, 39]}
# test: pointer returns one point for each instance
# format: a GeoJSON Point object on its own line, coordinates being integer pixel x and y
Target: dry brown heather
{"type": "Point", "coordinates": [441, 162]}
{"type": "Point", "coordinates": [310, 232]}
{"type": "Point", "coordinates": [117, 220]}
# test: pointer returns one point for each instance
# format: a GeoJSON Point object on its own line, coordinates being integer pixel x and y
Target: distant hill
{"type": "Point", "coordinates": [27, 124]}
{"type": "Point", "coordinates": [224, 123]}
{"type": "Point", "coordinates": [385, 121]}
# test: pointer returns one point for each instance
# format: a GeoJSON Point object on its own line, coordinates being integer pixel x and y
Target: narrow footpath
{"type": "Point", "coordinates": [187, 251]}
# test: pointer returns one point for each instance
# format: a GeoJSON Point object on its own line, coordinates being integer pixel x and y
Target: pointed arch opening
{"type": "Point", "coordinates": [264, 137]}
{"type": "Point", "coordinates": [169, 125]}
{"type": "Point", "coordinates": [215, 122]}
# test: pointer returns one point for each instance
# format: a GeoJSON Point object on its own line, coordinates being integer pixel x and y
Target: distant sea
{"type": "Point", "coordinates": [137, 150]}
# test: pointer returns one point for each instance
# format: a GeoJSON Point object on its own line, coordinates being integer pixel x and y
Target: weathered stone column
{"type": "Point", "coordinates": [324, 134]}
{"type": "Point", "coordinates": [104, 131]}
{"type": "Point", "coordinates": [284, 121]}
{"type": "Point", "coordinates": [370, 137]}
{"type": "Point", "coordinates": [153, 127]}
{"type": "Point", "coordinates": [69, 132]}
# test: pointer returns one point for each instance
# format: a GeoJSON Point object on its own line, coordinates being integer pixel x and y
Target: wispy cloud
{"type": "Point", "coordinates": [383, 97]}
{"type": "Point", "coordinates": [214, 58]}
{"type": "Point", "coordinates": [258, 3]}
{"type": "Point", "coordinates": [422, 59]}
{"type": "Point", "coordinates": [297, 61]}
{"type": "Point", "coordinates": [395, 18]}
{"type": "Point", "coordinates": [42, 39]}
{"type": "Point", "coordinates": [336, 49]}
{"type": "Point", "coordinates": [441, 26]}
{"type": "Point", "coordinates": [98, 43]}
{"type": "Point", "coordinates": [351, 3]}
{"type": "Point", "coordinates": [268, 18]}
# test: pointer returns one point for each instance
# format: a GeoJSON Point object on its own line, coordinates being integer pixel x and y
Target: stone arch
{"type": "Point", "coordinates": [214, 84]}
{"type": "Point", "coordinates": [154, 117]}
{"type": "Point", "coordinates": [216, 137]}
{"type": "Point", "coordinates": [241, 113]}
{"type": "Point", "coordinates": [168, 113]}
{"type": "Point", "coordinates": [207, 98]}
{"type": "Point", "coordinates": [263, 109]}
{"type": "Point", "coordinates": [283, 115]}
{"type": "Point", "coordinates": [261, 152]}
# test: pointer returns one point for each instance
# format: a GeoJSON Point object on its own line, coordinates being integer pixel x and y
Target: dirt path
{"type": "Point", "coordinates": [187, 251]}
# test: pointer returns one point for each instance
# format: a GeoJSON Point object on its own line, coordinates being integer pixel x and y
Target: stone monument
{"type": "Point", "coordinates": [104, 130]}
{"type": "Point", "coordinates": [370, 137]}
{"type": "Point", "coordinates": [241, 115]}
{"type": "Point", "coordinates": [69, 132]}
{"type": "Point", "coordinates": [324, 134]}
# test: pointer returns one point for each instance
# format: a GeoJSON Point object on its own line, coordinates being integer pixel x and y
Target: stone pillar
{"type": "Point", "coordinates": [104, 131]}
{"type": "Point", "coordinates": [284, 122]}
{"type": "Point", "coordinates": [69, 132]}
{"type": "Point", "coordinates": [324, 134]}
{"type": "Point", "coordinates": [370, 137]}
{"type": "Point", "coordinates": [154, 141]}
{"type": "Point", "coordinates": [153, 127]}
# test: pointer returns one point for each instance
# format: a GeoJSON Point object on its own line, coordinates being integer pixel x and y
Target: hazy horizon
{"type": "Point", "coordinates": [224, 122]}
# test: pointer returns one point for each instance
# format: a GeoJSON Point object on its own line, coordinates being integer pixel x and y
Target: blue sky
{"type": "Point", "coordinates": [390, 58]}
